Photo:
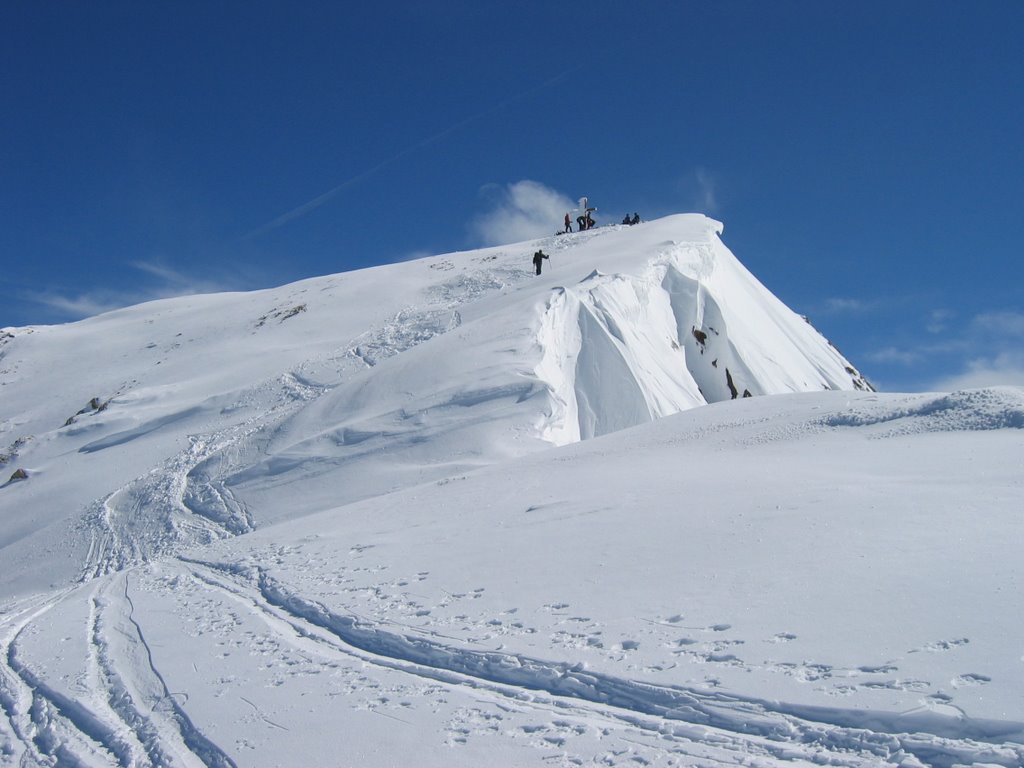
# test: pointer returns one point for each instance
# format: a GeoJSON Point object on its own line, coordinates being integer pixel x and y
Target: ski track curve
{"type": "Point", "coordinates": [744, 725]}
{"type": "Point", "coordinates": [16, 727]}
{"type": "Point", "coordinates": [184, 502]}
{"type": "Point", "coordinates": [121, 712]}
{"type": "Point", "coordinates": [48, 728]}
{"type": "Point", "coordinates": [129, 717]}
{"type": "Point", "coordinates": [176, 721]}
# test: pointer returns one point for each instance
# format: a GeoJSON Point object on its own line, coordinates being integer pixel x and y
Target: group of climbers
{"type": "Point", "coordinates": [584, 221]}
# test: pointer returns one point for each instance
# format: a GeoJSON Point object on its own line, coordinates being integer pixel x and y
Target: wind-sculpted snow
{"type": "Point", "coordinates": [183, 504]}
{"type": "Point", "coordinates": [325, 524]}
{"type": "Point", "coordinates": [691, 328]}
{"type": "Point", "coordinates": [409, 328]}
{"type": "Point", "coordinates": [965, 410]}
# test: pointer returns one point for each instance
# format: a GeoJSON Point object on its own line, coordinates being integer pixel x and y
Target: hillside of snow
{"type": "Point", "coordinates": [633, 510]}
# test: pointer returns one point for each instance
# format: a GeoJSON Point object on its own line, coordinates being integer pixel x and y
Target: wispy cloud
{"type": "Point", "coordinates": [896, 355]}
{"type": "Point", "coordinates": [698, 190]}
{"type": "Point", "coordinates": [172, 282]}
{"type": "Point", "coordinates": [166, 282]}
{"type": "Point", "coordinates": [77, 306]}
{"type": "Point", "coordinates": [939, 320]}
{"type": "Point", "coordinates": [992, 348]}
{"type": "Point", "coordinates": [520, 211]}
{"type": "Point", "coordinates": [842, 305]}
{"type": "Point", "coordinates": [707, 199]}
{"type": "Point", "coordinates": [1004, 323]}
{"type": "Point", "coordinates": [940, 349]}
{"type": "Point", "coordinates": [1004, 368]}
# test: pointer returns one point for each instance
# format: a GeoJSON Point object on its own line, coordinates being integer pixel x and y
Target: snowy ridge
{"type": "Point", "coordinates": [463, 515]}
{"type": "Point", "coordinates": [693, 328]}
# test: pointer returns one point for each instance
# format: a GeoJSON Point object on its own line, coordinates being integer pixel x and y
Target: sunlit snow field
{"type": "Point", "coordinates": [448, 512]}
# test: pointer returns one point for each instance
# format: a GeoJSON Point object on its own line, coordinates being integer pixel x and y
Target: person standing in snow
{"type": "Point", "coordinates": [538, 259]}
{"type": "Point", "coordinates": [568, 224]}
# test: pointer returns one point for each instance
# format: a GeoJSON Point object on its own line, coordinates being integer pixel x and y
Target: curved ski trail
{"type": "Point", "coordinates": [741, 726]}
{"type": "Point", "coordinates": [119, 711]}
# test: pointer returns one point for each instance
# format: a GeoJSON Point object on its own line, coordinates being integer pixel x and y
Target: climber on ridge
{"type": "Point", "coordinates": [538, 259]}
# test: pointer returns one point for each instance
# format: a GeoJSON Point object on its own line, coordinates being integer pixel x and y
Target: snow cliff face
{"type": "Point", "coordinates": [691, 327]}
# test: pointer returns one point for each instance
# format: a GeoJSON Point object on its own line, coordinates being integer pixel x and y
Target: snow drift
{"type": "Point", "coordinates": [461, 514]}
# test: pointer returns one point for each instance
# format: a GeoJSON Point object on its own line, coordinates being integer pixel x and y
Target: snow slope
{"type": "Point", "coordinates": [360, 520]}
{"type": "Point", "coordinates": [195, 418]}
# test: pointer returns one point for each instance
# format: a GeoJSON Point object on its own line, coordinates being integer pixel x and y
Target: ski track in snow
{"type": "Point", "coordinates": [679, 715]}
{"type": "Point", "coordinates": [171, 508]}
{"type": "Point", "coordinates": [179, 505]}
{"type": "Point", "coordinates": [119, 712]}
{"type": "Point", "coordinates": [185, 503]}
{"type": "Point", "coordinates": [122, 710]}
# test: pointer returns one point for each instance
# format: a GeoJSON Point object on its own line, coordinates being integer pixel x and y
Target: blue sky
{"type": "Point", "coordinates": [867, 158]}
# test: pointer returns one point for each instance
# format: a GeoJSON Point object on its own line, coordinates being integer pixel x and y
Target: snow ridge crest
{"type": "Point", "coordinates": [692, 327]}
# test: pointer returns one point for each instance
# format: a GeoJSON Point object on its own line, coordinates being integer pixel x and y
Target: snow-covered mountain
{"type": "Point", "coordinates": [431, 513]}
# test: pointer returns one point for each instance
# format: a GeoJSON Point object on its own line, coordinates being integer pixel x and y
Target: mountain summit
{"type": "Point", "coordinates": [453, 512]}
{"type": "Point", "coordinates": [204, 411]}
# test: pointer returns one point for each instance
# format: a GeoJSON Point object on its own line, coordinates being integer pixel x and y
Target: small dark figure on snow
{"type": "Point", "coordinates": [568, 224]}
{"type": "Point", "coordinates": [538, 259]}
{"type": "Point", "coordinates": [636, 218]}
{"type": "Point", "coordinates": [627, 220]}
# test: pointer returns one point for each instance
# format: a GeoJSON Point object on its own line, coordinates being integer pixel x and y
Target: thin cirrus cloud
{"type": "Point", "coordinates": [841, 305]}
{"type": "Point", "coordinates": [75, 307]}
{"type": "Point", "coordinates": [1004, 323]}
{"type": "Point", "coordinates": [895, 355]}
{"type": "Point", "coordinates": [992, 349]}
{"type": "Point", "coordinates": [1004, 368]}
{"type": "Point", "coordinates": [167, 282]}
{"type": "Point", "coordinates": [939, 320]}
{"type": "Point", "coordinates": [1003, 331]}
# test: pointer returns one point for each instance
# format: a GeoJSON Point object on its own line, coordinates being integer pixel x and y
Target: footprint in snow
{"type": "Point", "coordinates": [941, 645]}
{"type": "Point", "coordinates": [556, 606]}
{"type": "Point", "coordinates": [970, 679]}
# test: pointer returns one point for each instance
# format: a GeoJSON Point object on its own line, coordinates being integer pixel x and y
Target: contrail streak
{"type": "Point", "coordinates": [316, 202]}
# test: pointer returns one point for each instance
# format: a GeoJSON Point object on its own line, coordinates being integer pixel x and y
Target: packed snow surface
{"type": "Point", "coordinates": [632, 511]}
